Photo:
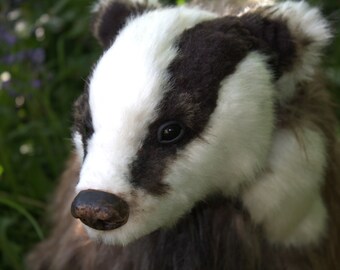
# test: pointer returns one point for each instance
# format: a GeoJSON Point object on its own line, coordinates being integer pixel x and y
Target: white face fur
{"type": "Point", "coordinates": [127, 86]}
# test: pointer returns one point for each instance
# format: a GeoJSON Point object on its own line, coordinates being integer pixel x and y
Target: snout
{"type": "Point", "coordinates": [100, 210]}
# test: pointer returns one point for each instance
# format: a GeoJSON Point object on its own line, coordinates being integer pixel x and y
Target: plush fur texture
{"type": "Point", "coordinates": [254, 182]}
{"type": "Point", "coordinates": [311, 33]}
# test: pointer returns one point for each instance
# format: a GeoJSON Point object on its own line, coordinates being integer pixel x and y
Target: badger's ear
{"type": "Point", "coordinates": [297, 33]}
{"type": "Point", "coordinates": [109, 17]}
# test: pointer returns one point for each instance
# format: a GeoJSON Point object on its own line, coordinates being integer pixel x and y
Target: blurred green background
{"type": "Point", "coordinates": [46, 52]}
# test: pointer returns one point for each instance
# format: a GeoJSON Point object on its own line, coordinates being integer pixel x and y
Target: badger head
{"type": "Point", "coordinates": [180, 107]}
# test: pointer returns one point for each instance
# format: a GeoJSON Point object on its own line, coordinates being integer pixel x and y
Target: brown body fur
{"type": "Point", "coordinates": [217, 234]}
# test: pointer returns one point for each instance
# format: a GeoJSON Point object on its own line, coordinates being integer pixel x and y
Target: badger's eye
{"type": "Point", "coordinates": [170, 132]}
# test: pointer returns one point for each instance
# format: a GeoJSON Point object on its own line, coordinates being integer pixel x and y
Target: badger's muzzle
{"type": "Point", "coordinates": [100, 210]}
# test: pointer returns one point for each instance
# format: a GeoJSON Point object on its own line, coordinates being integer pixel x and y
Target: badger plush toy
{"type": "Point", "coordinates": [204, 140]}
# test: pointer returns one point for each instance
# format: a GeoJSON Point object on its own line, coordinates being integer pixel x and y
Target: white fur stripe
{"type": "Point", "coordinates": [311, 33]}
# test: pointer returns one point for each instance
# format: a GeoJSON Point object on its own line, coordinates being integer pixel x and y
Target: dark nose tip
{"type": "Point", "coordinates": [100, 210]}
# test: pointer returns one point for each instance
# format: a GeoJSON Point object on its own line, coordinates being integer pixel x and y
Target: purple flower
{"type": "Point", "coordinates": [13, 58]}
{"type": "Point", "coordinates": [36, 83]}
{"type": "Point", "coordinates": [6, 85]}
{"type": "Point", "coordinates": [7, 37]}
{"type": "Point", "coordinates": [37, 55]}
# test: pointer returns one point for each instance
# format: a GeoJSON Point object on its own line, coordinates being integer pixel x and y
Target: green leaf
{"type": "Point", "coordinates": [23, 211]}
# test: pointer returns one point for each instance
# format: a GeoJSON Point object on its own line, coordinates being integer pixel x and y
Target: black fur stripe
{"type": "Point", "coordinates": [207, 54]}
{"type": "Point", "coordinates": [272, 38]}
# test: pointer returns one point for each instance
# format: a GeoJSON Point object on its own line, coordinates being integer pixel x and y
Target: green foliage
{"type": "Point", "coordinates": [46, 53]}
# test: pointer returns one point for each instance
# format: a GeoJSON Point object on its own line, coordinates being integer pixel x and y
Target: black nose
{"type": "Point", "coordinates": [100, 210]}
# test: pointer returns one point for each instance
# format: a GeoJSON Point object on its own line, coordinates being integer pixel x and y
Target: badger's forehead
{"type": "Point", "coordinates": [130, 78]}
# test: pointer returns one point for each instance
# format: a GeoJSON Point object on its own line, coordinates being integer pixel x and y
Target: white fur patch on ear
{"type": "Point", "coordinates": [286, 200]}
{"type": "Point", "coordinates": [100, 4]}
{"type": "Point", "coordinates": [311, 33]}
{"type": "Point", "coordinates": [225, 7]}
{"type": "Point", "coordinates": [149, 2]}
{"type": "Point", "coordinates": [104, 3]}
